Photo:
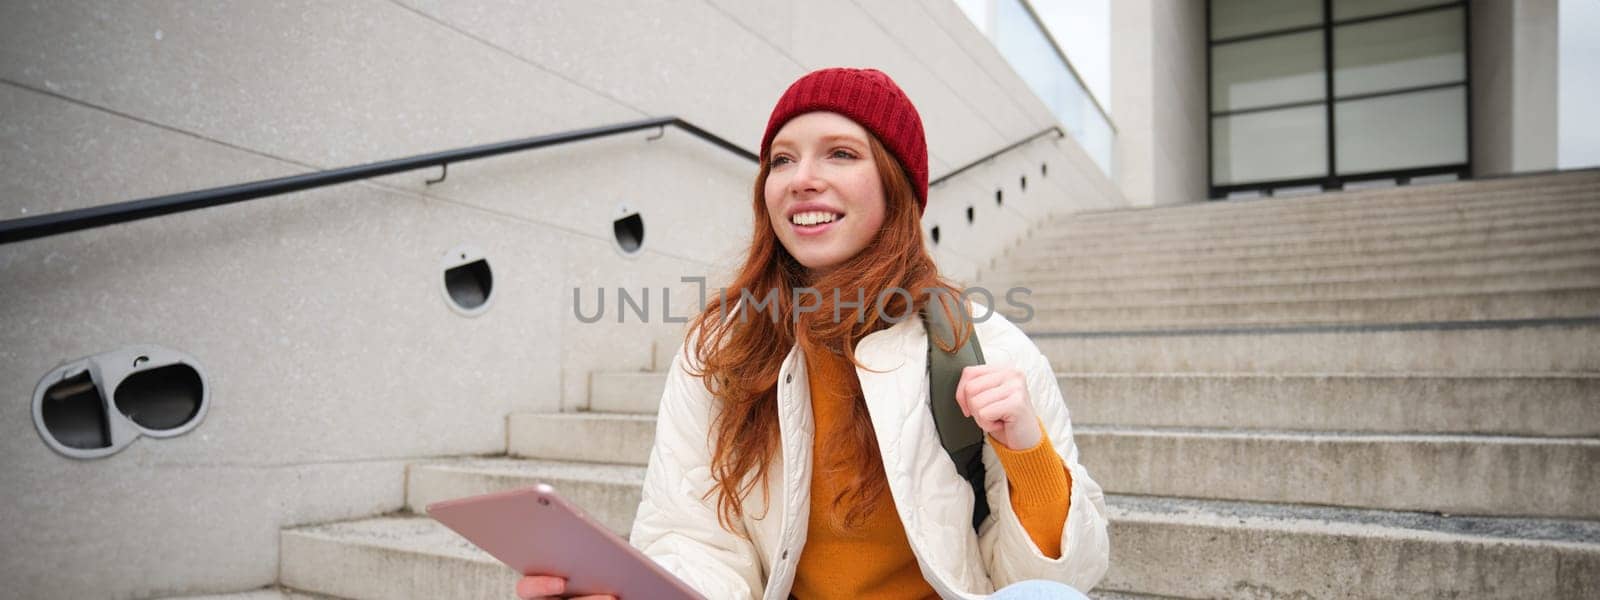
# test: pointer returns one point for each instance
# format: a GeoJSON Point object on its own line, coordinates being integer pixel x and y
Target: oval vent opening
{"type": "Point", "coordinates": [970, 214]}
{"type": "Point", "coordinates": [74, 415]}
{"type": "Point", "coordinates": [935, 234]}
{"type": "Point", "coordinates": [629, 232]}
{"type": "Point", "coordinates": [470, 284]}
{"type": "Point", "coordinates": [161, 399]}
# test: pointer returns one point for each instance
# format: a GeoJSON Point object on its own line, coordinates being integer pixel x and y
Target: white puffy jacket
{"type": "Point", "coordinates": [677, 523]}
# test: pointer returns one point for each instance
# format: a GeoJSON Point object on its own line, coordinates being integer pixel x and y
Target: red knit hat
{"type": "Point", "coordinates": [871, 99]}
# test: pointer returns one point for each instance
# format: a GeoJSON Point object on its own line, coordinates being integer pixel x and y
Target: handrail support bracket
{"type": "Point", "coordinates": [444, 171]}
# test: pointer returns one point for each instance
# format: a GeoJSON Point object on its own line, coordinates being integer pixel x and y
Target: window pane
{"type": "Point", "coordinates": [1274, 70]}
{"type": "Point", "coordinates": [1231, 18]}
{"type": "Point", "coordinates": [1350, 9]}
{"type": "Point", "coordinates": [1021, 41]}
{"type": "Point", "coordinates": [1396, 53]}
{"type": "Point", "coordinates": [1419, 129]}
{"type": "Point", "coordinates": [1268, 145]}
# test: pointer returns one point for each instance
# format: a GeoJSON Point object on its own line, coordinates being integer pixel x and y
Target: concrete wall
{"type": "Point", "coordinates": [1158, 91]}
{"type": "Point", "coordinates": [318, 317]}
{"type": "Point", "coordinates": [1578, 87]}
{"type": "Point", "coordinates": [1514, 69]}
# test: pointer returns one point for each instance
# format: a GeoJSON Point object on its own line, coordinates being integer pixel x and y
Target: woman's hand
{"type": "Point", "coordinates": [538, 587]}
{"type": "Point", "coordinates": [997, 398]}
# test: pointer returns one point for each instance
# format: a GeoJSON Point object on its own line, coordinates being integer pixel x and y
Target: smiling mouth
{"type": "Point", "coordinates": [812, 218]}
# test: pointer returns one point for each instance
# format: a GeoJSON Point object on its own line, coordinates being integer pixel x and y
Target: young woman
{"type": "Point", "coordinates": [795, 454]}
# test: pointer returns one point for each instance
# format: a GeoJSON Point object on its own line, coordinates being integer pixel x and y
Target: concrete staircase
{"type": "Point", "coordinates": [1388, 393]}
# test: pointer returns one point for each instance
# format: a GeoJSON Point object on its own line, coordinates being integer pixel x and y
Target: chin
{"type": "Point", "coordinates": [815, 264]}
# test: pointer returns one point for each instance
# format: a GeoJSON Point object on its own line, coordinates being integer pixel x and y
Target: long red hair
{"type": "Point", "coordinates": [741, 348]}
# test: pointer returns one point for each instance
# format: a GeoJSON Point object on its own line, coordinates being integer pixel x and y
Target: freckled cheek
{"type": "Point", "coordinates": [771, 199]}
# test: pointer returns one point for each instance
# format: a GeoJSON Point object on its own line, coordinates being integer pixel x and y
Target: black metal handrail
{"type": "Point", "coordinates": [987, 157]}
{"type": "Point", "coordinates": [67, 221]}
{"type": "Point", "coordinates": [27, 228]}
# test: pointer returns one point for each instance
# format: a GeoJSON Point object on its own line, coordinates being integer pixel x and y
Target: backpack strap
{"type": "Point", "coordinates": [958, 433]}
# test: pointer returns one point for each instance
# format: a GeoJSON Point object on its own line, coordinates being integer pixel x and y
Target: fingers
{"type": "Point", "coordinates": [975, 379]}
{"type": "Point", "coordinates": [975, 382]}
{"type": "Point", "coordinates": [539, 586]}
{"type": "Point", "coordinates": [996, 406]}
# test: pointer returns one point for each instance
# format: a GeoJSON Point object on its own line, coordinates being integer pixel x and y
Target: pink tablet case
{"type": "Point", "coordinates": [534, 531]}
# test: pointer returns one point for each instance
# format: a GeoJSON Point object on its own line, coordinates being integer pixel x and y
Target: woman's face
{"type": "Point", "coordinates": [823, 193]}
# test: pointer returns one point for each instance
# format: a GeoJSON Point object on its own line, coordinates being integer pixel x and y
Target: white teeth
{"type": "Point", "coordinates": [813, 218]}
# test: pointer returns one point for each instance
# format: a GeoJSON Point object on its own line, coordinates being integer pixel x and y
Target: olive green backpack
{"type": "Point", "coordinates": [958, 433]}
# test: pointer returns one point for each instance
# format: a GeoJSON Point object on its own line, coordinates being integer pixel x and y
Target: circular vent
{"type": "Point", "coordinates": [94, 407]}
{"type": "Point", "coordinates": [160, 400]}
{"type": "Point", "coordinates": [628, 229]}
{"type": "Point", "coordinates": [468, 280]}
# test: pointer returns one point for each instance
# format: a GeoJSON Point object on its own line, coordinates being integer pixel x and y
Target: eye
{"type": "Point", "coordinates": [846, 153]}
{"type": "Point", "coordinates": [777, 160]}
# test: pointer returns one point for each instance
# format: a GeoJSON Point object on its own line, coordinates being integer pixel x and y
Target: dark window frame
{"type": "Point", "coordinates": [1332, 179]}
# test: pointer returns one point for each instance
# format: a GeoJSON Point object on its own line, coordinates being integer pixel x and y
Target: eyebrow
{"type": "Point", "coordinates": [826, 138]}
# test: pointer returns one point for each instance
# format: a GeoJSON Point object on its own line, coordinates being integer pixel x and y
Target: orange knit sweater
{"type": "Point", "coordinates": [875, 561]}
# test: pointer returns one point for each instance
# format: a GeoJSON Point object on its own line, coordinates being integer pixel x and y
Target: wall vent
{"type": "Point", "coordinates": [154, 391]}
{"type": "Point", "coordinates": [468, 281]}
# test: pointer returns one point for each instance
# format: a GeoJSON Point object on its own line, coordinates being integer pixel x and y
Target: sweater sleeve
{"type": "Point", "coordinates": [1041, 490]}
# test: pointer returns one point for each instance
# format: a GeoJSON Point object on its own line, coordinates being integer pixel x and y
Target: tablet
{"type": "Point", "coordinates": [536, 532]}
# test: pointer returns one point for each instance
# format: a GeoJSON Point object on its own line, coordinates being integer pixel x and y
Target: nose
{"type": "Point", "coordinates": [806, 178]}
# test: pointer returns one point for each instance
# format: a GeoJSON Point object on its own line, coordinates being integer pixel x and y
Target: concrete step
{"type": "Point", "coordinates": [587, 437]}
{"type": "Point", "coordinates": [633, 392]}
{"type": "Point", "coordinates": [1581, 302]}
{"type": "Point", "coordinates": [1181, 548]}
{"type": "Point", "coordinates": [1584, 238]}
{"type": "Point", "coordinates": [1472, 474]}
{"type": "Point", "coordinates": [1266, 464]}
{"type": "Point", "coordinates": [1509, 404]}
{"type": "Point", "coordinates": [1307, 211]}
{"type": "Point", "coordinates": [1166, 547]}
{"type": "Point", "coordinates": [269, 593]}
{"type": "Point", "coordinates": [1096, 594]}
{"type": "Point", "coordinates": [1567, 345]}
{"type": "Point", "coordinates": [1153, 225]}
{"type": "Point", "coordinates": [408, 556]}
{"type": "Point", "coordinates": [1337, 204]}
{"type": "Point", "coordinates": [398, 557]}
{"type": "Point", "coordinates": [609, 493]}
{"type": "Point", "coordinates": [1205, 240]}
{"type": "Point", "coordinates": [1060, 296]}
{"type": "Point", "coordinates": [1575, 255]}
{"type": "Point", "coordinates": [1527, 404]}
{"type": "Point", "coordinates": [1514, 225]}
{"type": "Point", "coordinates": [1498, 237]}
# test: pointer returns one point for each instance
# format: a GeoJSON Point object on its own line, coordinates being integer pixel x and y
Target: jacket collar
{"type": "Point", "coordinates": [886, 349]}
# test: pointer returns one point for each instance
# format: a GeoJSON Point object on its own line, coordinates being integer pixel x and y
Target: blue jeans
{"type": "Point", "coordinates": [1038, 589]}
